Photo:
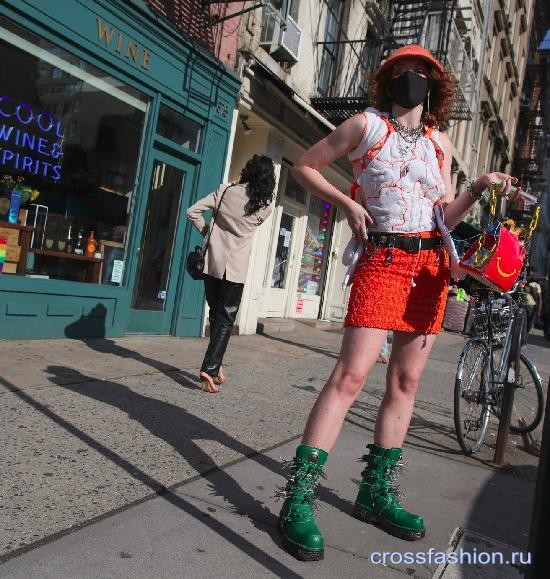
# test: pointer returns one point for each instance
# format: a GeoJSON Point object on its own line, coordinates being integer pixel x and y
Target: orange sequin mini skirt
{"type": "Point", "coordinates": [406, 293]}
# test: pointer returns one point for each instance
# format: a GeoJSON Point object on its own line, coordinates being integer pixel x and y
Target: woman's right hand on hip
{"type": "Point", "coordinates": [359, 221]}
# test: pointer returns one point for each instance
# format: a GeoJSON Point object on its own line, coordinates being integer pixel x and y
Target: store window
{"type": "Point", "coordinates": [316, 243]}
{"type": "Point", "coordinates": [70, 139]}
{"type": "Point", "coordinates": [179, 129]}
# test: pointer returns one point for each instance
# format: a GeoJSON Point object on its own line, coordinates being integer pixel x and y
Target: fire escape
{"type": "Point", "coordinates": [346, 63]}
{"type": "Point", "coordinates": [531, 132]}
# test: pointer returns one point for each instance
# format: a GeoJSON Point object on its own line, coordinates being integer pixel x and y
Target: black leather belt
{"type": "Point", "coordinates": [411, 243]}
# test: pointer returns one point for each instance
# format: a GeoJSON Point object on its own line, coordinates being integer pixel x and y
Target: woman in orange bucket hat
{"type": "Point", "coordinates": [401, 205]}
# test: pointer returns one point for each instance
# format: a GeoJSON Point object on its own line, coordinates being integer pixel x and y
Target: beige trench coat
{"type": "Point", "coordinates": [231, 239]}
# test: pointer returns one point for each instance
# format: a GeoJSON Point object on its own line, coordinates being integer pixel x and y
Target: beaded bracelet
{"type": "Point", "coordinates": [475, 196]}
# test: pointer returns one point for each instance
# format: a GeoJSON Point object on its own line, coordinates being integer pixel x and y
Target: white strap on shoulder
{"type": "Point", "coordinates": [375, 130]}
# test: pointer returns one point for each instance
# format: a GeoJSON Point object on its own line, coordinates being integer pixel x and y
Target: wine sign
{"type": "Point", "coordinates": [131, 50]}
{"type": "Point", "coordinates": [30, 141]}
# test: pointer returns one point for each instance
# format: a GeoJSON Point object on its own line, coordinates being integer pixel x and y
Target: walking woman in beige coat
{"type": "Point", "coordinates": [241, 208]}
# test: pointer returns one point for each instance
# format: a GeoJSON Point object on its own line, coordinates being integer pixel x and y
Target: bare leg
{"type": "Point", "coordinates": [360, 349]}
{"type": "Point", "coordinates": [408, 357]}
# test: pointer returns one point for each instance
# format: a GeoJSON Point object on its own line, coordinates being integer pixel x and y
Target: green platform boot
{"type": "Point", "coordinates": [301, 537]}
{"type": "Point", "coordinates": [378, 499]}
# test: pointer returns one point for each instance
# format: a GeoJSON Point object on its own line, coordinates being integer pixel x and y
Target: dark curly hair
{"type": "Point", "coordinates": [443, 86]}
{"type": "Point", "coordinates": [259, 176]}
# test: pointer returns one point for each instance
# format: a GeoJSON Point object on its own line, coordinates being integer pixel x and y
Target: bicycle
{"type": "Point", "coordinates": [489, 359]}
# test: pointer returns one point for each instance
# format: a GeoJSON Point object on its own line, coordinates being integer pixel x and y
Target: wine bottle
{"type": "Point", "coordinates": [79, 245]}
{"type": "Point", "coordinates": [90, 245]}
{"type": "Point", "coordinates": [69, 247]}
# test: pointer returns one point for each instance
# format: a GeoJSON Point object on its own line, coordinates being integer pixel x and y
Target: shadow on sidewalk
{"type": "Point", "coordinates": [91, 330]}
{"type": "Point", "coordinates": [190, 381]}
{"type": "Point", "coordinates": [420, 434]}
{"type": "Point", "coordinates": [145, 409]}
{"type": "Point", "coordinates": [181, 430]}
{"type": "Point", "coordinates": [106, 346]}
{"type": "Point", "coordinates": [315, 349]}
{"type": "Point", "coordinates": [228, 487]}
{"type": "Point", "coordinates": [503, 508]}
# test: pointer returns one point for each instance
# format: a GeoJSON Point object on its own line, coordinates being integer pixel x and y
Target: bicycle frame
{"type": "Point", "coordinates": [500, 372]}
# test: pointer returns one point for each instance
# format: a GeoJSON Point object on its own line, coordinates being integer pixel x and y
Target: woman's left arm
{"type": "Point", "coordinates": [456, 208]}
{"type": "Point", "coordinates": [195, 212]}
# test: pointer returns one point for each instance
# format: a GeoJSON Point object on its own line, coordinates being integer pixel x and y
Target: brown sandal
{"type": "Point", "coordinates": [207, 383]}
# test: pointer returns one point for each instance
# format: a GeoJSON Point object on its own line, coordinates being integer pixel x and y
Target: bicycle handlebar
{"type": "Point", "coordinates": [514, 289]}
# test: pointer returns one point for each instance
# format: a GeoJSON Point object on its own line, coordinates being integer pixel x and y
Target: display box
{"type": "Point", "coordinates": [11, 235]}
{"type": "Point", "coordinates": [9, 268]}
{"type": "Point", "coordinates": [13, 253]}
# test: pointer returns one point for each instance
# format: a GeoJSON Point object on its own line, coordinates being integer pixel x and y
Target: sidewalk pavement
{"type": "Point", "coordinates": [115, 464]}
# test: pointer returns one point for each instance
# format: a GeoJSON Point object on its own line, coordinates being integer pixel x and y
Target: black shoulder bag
{"type": "Point", "coordinates": [195, 258]}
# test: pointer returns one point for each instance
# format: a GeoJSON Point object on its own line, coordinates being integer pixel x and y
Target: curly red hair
{"type": "Point", "coordinates": [443, 86]}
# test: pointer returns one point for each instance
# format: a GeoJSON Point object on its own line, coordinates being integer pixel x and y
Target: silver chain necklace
{"type": "Point", "coordinates": [407, 135]}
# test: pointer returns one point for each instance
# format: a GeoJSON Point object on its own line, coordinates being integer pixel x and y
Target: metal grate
{"type": "Point", "coordinates": [338, 109]}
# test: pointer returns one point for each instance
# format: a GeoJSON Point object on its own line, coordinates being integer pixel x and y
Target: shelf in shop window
{"type": "Point", "coordinates": [16, 226]}
{"type": "Point", "coordinates": [64, 254]}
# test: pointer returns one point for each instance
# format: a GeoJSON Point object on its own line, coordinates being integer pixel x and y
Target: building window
{"type": "Point", "coordinates": [329, 50]}
{"type": "Point", "coordinates": [183, 131]}
{"type": "Point", "coordinates": [69, 158]}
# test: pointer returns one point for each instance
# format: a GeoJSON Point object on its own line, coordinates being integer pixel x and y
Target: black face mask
{"type": "Point", "coordinates": [409, 89]}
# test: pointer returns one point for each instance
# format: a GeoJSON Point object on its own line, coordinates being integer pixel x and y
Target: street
{"type": "Point", "coordinates": [115, 464]}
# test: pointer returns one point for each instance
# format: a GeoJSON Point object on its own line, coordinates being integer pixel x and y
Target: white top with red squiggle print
{"type": "Point", "coordinates": [400, 190]}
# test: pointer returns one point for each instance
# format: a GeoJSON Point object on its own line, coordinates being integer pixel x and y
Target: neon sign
{"type": "Point", "coordinates": [31, 142]}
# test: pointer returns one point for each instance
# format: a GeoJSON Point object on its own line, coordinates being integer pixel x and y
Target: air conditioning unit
{"type": "Point", "coordinates": [288, 47]}
{"type": "Point", "coordinates": [271, 30]}
{"type": "Point", "coordinates": [280, 39]}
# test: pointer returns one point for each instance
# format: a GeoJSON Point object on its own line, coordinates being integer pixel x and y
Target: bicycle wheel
{"type": "Point", "coordinates": [528, 407]}
{"type": "Point", "coordinates": [471, 410]}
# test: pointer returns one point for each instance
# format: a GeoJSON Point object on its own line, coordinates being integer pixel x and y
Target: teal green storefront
{"type": "Point", "coordinates": [118, 123]}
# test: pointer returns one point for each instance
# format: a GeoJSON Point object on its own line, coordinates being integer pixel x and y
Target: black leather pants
{"type": "Point", "coordinates": [224, 299]}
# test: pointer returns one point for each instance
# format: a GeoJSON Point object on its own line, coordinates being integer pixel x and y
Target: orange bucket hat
{"type": "Point", "coordinates": [410, 51]}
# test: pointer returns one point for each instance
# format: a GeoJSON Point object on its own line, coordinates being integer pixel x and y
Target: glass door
{"type": "Point", "coordinates": [159, 258]}
{"type": "Point", "coordinates": [279, 275]}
